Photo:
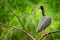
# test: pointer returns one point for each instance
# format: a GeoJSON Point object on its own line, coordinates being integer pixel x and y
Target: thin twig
{"type": "Point", "coordinates": [30, 36]}
{"type": "Point", "coordinates": [45, 35]}
{"type": "Point", "coordinates": [11, 9]}
{"type": "Point", "coordinates": [5, 38]}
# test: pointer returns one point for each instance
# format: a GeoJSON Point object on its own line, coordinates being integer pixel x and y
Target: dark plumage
{"type": "Point", "coordinates": [44, 22]}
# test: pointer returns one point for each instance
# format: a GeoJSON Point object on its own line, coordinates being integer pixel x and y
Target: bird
{"type": "Point", "coordinates": [44, 22]}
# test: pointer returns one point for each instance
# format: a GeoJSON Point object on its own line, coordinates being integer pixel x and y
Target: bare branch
{"type": "Point", "coordinates": [4, 4]}
{"type": "Point", "coordinates": [45, 35]}
{"type": "Point", "coordinates": [30, 36]}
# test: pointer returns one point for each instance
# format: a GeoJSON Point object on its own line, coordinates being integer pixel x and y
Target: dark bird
{"type": "Point", "coordinates": [44, 22]}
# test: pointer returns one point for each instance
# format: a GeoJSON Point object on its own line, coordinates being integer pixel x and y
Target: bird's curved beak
{"type": "Point", "coordinates": [36, 10]}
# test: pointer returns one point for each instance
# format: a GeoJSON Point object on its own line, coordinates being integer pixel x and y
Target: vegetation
{"type": "Point", "coordinates": [18, 23]}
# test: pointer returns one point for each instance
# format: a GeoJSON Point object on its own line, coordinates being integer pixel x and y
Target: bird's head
{"type": "Point", "coordinates": [41, 7]}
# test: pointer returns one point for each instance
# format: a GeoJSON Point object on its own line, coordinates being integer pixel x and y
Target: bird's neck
{"type": "Point", "coordinates": [43, 12]}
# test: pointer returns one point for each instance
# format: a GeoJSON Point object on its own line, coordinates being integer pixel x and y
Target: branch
{"type": "Point", "coordinates": [45, 35]}
{"type": "Point", "coordinates": [4, 4]}
{"type": "Point", "coordinates": [5, 38]}
{"type": "Point", "coordinates": [11, 9]}
{"type": "Point", "coordinates": [30, 36]}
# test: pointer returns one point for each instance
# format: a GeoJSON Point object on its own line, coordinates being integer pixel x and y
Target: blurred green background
{"type": "Point", "coordinates": [28, 21]}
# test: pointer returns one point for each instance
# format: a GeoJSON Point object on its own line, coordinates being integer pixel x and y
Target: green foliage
{"type": "Point", "coordinates": [23, 9]}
